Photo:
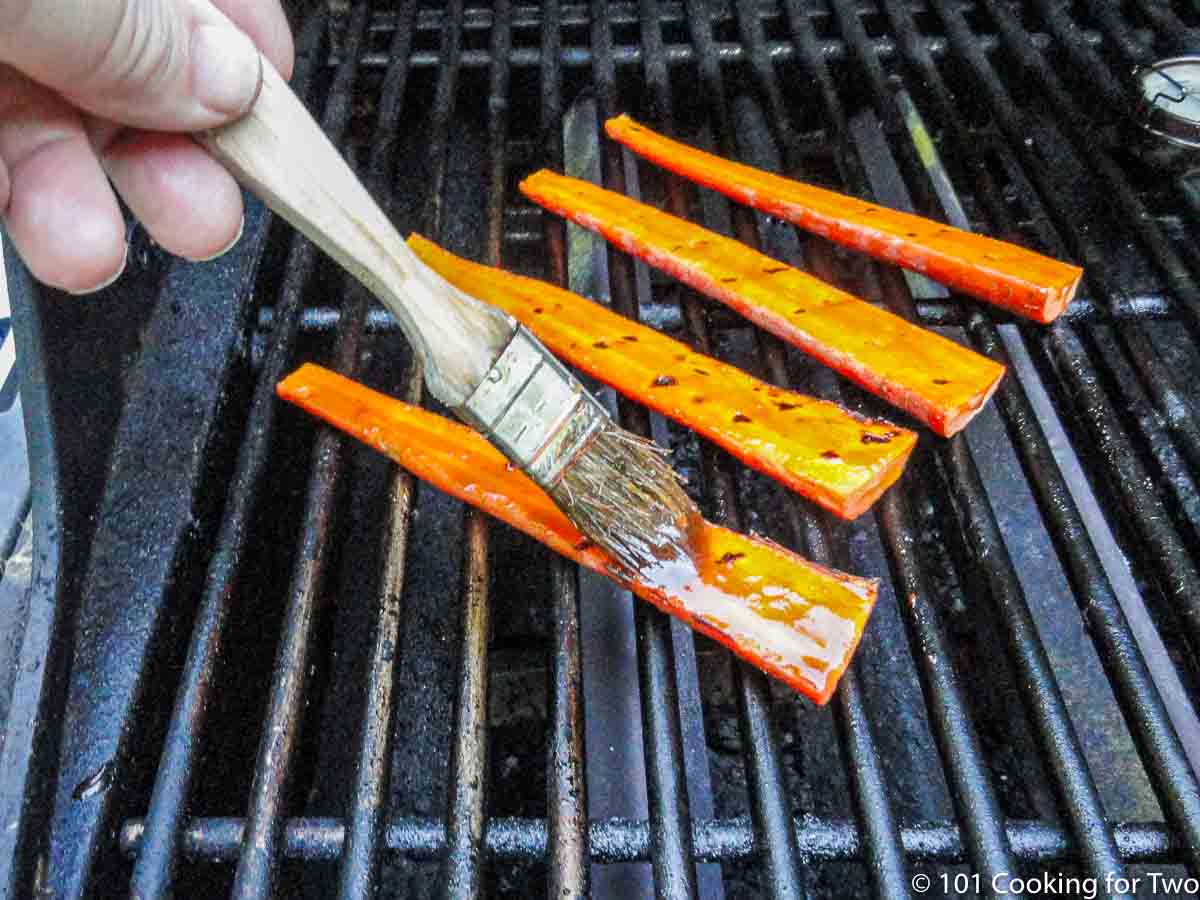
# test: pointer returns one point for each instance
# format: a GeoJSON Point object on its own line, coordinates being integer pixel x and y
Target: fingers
{"type": "Point", "coordinates": [173, 65]}
{"type": "Point", "coordinates": [266, 24]}
{"type": "Point", "coordinates": [59, 210]}
{"type": "Point", "coordinates": [190, 205]}
{"type": "Point", "coordinates": [167, 65]}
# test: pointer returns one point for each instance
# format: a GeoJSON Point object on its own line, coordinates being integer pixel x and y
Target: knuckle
{"type": "Point", "coordinates": [140, 48]}
{"type": "Point", "coordinates": [13, 15]}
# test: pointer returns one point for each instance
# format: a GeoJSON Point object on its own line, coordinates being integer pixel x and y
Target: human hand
{"type": "Point", "coordinates": [100, 91]}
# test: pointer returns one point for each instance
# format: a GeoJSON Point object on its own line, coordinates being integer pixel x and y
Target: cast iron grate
{"type": "Point", "coordinates": [421, 727]}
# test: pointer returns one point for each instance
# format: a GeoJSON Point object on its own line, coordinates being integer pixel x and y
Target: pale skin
{"type": "Point", "coordinates": [97, 98]}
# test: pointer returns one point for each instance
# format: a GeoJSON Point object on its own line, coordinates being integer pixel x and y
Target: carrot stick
{"type": "Point", "coordinates": [1012, 277]}
{"type": "Point", "coordinates": [939, 382]}
{"type": "Point", "coordinates": [797, 621]}
{"type": "Point", "coordinates": [816, 448]}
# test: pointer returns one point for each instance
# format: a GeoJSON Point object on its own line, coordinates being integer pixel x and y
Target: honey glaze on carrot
{"type": "Point", "coordinates": [936, 380]}
{"type": "Point", "coordinates": [835, 458]}
{"type": "Point", "coordinates": [1010, 276]}
{"type": "Point", "coordinates": [797, 621]}
{"type": "Point", "coordinates": [752, 594]}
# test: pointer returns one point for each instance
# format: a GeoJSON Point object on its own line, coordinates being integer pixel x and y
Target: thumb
{"type": "Point", "coordinates": [168, 65]}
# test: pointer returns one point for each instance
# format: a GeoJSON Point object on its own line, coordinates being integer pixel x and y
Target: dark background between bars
{"type": "Point", "coordinates": [257, 658]}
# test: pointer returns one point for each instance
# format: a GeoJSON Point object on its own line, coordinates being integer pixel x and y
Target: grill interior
{"type": "Point", "coordinates": [259, 660]}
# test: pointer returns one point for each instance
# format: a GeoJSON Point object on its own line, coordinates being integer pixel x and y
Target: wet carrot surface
{"type": "Point", "coordinates": [797, 621]}
{"type": "Point", "coordinates": [939, 382]}
{"type": "Point", "coordinates": [816, 448]}
{"type": "Point", "coordinates": [1007, 275]}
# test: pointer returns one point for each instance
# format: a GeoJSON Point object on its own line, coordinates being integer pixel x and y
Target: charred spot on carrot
{"type": "Point", "coordinates": [663, 381]}
{"type": "Point", "coordinates": [869, 438]}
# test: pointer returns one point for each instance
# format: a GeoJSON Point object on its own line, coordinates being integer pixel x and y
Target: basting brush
{"type": "Point", "coordinates": [617, 488]}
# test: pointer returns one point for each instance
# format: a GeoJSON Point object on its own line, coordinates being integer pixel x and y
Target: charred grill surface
{"type": "Point", "coordinates": [279, 667]}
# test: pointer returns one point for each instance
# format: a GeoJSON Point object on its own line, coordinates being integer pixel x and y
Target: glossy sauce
{"type": "Point", "coordinates": [825, 453]}
{"type": "Point", "coordinates": [797, 621]}
{"type": "Point", "coordinates": [934, 379]}
{"type": "Point", "coordinates": [1005, 274]}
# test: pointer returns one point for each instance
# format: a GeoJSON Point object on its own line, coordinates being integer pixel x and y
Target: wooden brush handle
{"type": "Point", "coordinates": [281, 154]}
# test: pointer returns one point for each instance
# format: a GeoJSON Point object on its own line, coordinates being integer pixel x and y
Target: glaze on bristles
{"type": "Point", "coordinates": [621, 492]}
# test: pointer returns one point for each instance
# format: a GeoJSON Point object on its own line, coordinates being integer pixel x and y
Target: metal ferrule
{"type": "Point", "coordinates": [534, 410]}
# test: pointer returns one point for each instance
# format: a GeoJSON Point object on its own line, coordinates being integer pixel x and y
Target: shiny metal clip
{"type": "Point", "coordinates": [534, 410]}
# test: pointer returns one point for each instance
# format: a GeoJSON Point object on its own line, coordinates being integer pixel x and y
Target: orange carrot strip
{"type": "Point", "coordinates": [934, 379]}
{"type": "Point", "coordinates": [839, 460]}
{"type": "Point", "coordinates": [797, 621]}
{"type": "Point", "coordinates": [1011, 277]}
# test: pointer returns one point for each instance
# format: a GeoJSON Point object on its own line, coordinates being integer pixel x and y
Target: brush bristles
{"type": "Point", "coordinates": [621, 493]}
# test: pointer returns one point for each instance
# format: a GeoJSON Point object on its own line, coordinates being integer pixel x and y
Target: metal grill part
{"type": "Point", "coordinates": [254, 659]}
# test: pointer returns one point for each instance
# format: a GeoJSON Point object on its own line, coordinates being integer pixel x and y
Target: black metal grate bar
{"type": "Point", "coordinates": [1075, 125]}
{"type": "Point", "coordinates": [883, 853]}
{"type": "Point", "coordinates": [1067, 34]}
{"type": "Point", "coordinates": [1133, 47]}
{"type": "Point", "coordinates": [769, 802]}
{"type": "Point", "coordinates": [466, 815]}
{"type": "Point", "coordinates": [477, 18]}
{"type": "Point", "coordinates": [1173, 405]}
{"type": "Point", "coordinates": [1158, 378]}
{"type": "Point", "coordinates": [985, 837]}
{"type": "Point", "coordinates": [444, 97]}
{"type": "Point", "coordinates": [1057, 736]}
{"type": "Point", "coordinates": [467, 786]}
{"type": "Point", "coordinates": [674, 870]}
{"type": "Point", "coordinates": [987, 843]}
{"type": "Point", "coordinates": [1140, 701]}
{"type": "Point", "coordinates": [744, 52]}
{"type": "Point", "coordinates": [1180, 578]}
{"type": "Point", "coordinates": [1080, 800]}
{"type": "Point", "coordinates": [365, 817]}
{"type": "Point", "coordinates": [498, 91]}
{"type": "Point", "coordinates": [320, 319]}
{"type": "Point", "coordinates": [155, 866]}
{"type": "Point", "coordinates": [567, 790]}
{"type": "Point", "coordinates": [627, 840]}
{"type": "Point", "coordinates": [628, 56]}
{"type": "Point", "coordinates": [1162, 18]}
{"type": "Point", "coordinates": [883, 848]}
{"type": "Point", "coordinates": [1179, 574]}
{"type": "Point", "coordinates": [465, 820]}
{"type": "Point", "coordinates": [567, 809]}
{"type": "Point", "coordinates": [366, 808]}
{"type": "Point", "coordinates": [258, 864]}
{"type": "Point", "coordinates": [1083, 310]}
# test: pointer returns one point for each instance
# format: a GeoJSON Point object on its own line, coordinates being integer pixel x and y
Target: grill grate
{"type": "Point", "coordinates": [1009, 92]}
